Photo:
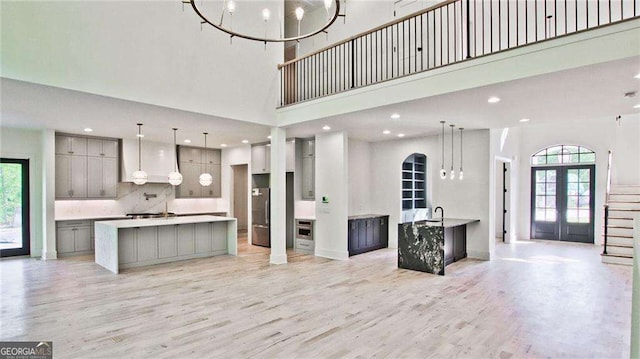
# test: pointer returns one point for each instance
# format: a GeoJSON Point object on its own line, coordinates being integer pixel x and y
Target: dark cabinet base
{"type": "Point", "coordinates": [455, 244]}
{"type": "Point", "coordinates": [368, 234]}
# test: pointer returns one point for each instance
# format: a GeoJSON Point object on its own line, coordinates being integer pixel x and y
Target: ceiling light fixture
{"type": "Point", "coordinates": [637, 76]}
{"type": "Point", "coordinates": [461, 173]}
{"type": "Point", "coordinates": [88, 129]}
{"type": "Point", "coordinates": [443, 173]}
{"type": "Point", "coordinates": [401, 135]}
{"type": "Point", "coordinates": [269, 137]}
{"type": "Point", "coordinates": [452, 174]}
{"type": "Point", "coordinates": [395, 116]}
{"type": "Point", "coordinates": [637, 106]}
{"type": "Point", "coordinates": [524, 120]}
{"type": "Point", "coordinates": [230, 8]}
{"type": "Point", "coordinates": [223, 145]}
{"type": "Point", "coordinates": [493, 99]}
{"type": "Point", "coordinates": [326, 128]}
{"type": "Point", "coordinates": [175, 178]}
{"type": "Point", "coordinates": [245, 141]}
{"type": "Point", "coordinates": [386, 132]}
{"type": "Point", "coordinates": [187, 141]}
{"type": "Point", "coordinates": [139, 176]}
{"type": "Point", "coordinates": [205, 178]}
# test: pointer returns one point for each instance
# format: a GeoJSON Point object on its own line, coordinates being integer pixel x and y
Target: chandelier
{"type": "Point", "coordinates": [230, 8]}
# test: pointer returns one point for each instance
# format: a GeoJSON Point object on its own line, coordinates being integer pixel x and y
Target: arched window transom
{"type": "Point", "coordinates": [563, 155]}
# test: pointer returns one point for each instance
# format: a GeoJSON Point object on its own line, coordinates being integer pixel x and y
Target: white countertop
{"type": "Point", "coordinates": [151, 222]}
{"type": "Point", "coordinates": [309, 218]}
{"type": "Point", "coordinates": [90, 217]}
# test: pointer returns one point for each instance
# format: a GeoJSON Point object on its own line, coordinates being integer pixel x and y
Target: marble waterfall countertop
{"type": "Point", "coordinates": [150, 222]}
{"type": "Point", "coordinates": [446, 222]}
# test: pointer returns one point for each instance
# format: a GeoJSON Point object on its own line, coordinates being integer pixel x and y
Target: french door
{"type": "Point", "coordinates": [14, 207]}
{"type": "Point", "coordinates": [562, 203]}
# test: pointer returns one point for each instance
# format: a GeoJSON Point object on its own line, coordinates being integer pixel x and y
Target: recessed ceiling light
{"type": "Point", "coordinates": [395, 116]}
{"type": "Point", "coordinates": [140, 135]}
{"type": "Point", "coordinates": [401, 135]}
{"type": "Point", "coordinates": [326, 128]}
{"type": "Point", "coordinates": [493, 99]}
{"type": "Point", "coordinates": [223, 145]}
{"type": "Point", "coordinates": [187, 141]}
{"type": "Point", "coordinates": [88, 129]}
{"type": "Point", "coordinates": [386, 132]}
{"type": "Point", "coordinates": [245, 141]}
{"type": "Point", "coordinates": [269, 137]}
{"type": "Point", "coordinates": [637, 76]}
{"type": "Point", "coordinates": [524, 120]}
{"type": "Point", "coordinates": [637, 106]}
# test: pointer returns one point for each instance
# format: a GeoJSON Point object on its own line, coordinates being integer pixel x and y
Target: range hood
{"type": "Point", "coordinates": [158, 159]}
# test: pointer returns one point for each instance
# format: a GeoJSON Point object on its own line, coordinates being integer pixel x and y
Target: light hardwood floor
{"type": "Point", "coordinates": [536, 299]}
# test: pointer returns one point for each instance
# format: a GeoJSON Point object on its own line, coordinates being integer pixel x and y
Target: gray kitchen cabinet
{"type": "Point", "coordinates": [260, 159]}
{"type": "Point", "coordinates": [167, 242]}
{"type": "Point", "coordinates": [102, 177]}
{"type": "Point", "coordinates": [219, 236]}
{"type": "Point", "coordinates": [71, 145]}
{"type": "Point", "coordinates": [73, 237]}
{"type": "Point", "coordinates": [86, 167]}
{"type": "Point", "coordinates": [290, 164]}
{"type": "Point", "coordinates": [102, 148]}
{"type": "Point", "coordinates": [202, 237]}
{"type": "Point", "coordinates": [193, 161]}
{"type": "Point", "coordinates": [71, 176]}
{"type": "Point", "coordinates": [147, 243]}
{"type": "Point", "coordinates": [186, 241]}
{"type": "Point", "coordinates": [308, 178]}
{"type": "Point", "coordinates": [127, 248]}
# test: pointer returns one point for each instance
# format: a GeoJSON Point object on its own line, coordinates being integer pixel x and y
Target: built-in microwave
{"type": "Point", "coordinates": [304, 229]}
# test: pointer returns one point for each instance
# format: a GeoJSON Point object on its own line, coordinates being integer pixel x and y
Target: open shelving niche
{"type": "Point", "coordinates": [414, 186]}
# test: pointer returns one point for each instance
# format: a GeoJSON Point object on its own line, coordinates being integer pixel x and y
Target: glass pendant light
{"type": "Point", "coordinates": [452, 174]}
{"type": "Point", "coordinates": [205, 179]}
{"type": "Point", "coordinates": [461, 173]}
{"type": "Point", "coordinates": [443, 173]}
{"type": "Point", "coordinates": [175, 178]}
{"type": "Point", "coordinates": [139, 176]}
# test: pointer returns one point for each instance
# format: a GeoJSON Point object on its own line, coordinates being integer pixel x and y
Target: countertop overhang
{"type": "Point", "coordinates": [446, 222]}
{"type": "Point", "coordinates": [150, 222]}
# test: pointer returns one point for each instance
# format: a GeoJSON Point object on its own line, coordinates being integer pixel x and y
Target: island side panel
{"type": "Point", "coordinates": [232, 237]}
{"type": "Point", "coordinates": [421, 248]}
{"type": "Point", "coordinates": [106, 246]}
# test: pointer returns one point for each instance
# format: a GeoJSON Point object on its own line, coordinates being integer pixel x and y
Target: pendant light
{"type": "Point", "coordinates": [175, 178]}
{"type": "Point", "coordinates": [139, 176]}
{"type": "Point", "coordinates": [205, 179]}
{"type": "Point", "coordinates": [443, 173]}
{"type": "Point", "coordinates": [452, 175]}
{"type": "Point", "coordinates": [461, 173]}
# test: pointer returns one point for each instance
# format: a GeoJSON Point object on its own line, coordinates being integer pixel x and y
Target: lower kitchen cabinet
{"type": "Point", "coordinates": [368, 233]}
{"type": "Point", "coordinates": [455, 244]}
{"type": "Point", "coordinates": [74, 238]}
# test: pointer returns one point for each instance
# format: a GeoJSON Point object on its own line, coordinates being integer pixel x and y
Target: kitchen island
{"type": "Point", "coordinates": [430, 245]}
{"type": "Point", "coordinates": [129, 243]}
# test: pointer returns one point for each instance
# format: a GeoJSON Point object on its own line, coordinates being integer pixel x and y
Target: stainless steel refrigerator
{"type": "Point", "coordinates": [260, 217]}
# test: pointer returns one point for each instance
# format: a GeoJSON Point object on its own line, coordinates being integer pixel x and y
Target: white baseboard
{"type": "Point", "coordinates": [485, 256]}
{"type": "Point", "coordinates": [326, 253]}
{"type": "Point", "coordinates": [278, 259]}
{"type": "Point", "coordinates": [49, 255]}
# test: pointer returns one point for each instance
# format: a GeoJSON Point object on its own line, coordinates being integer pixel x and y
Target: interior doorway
{"type": "Point", "coordinates": [239, 203]}
{"type": "Point", "coordinates": [14, 207]}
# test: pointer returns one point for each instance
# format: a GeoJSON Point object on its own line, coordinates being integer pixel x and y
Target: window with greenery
{"type": "Point", "coordinates": [414, 184]}
{"type": "Point", "coordinates": [562, 155]}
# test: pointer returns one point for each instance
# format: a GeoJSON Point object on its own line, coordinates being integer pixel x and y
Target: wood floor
{"type": "Point", "coordinates": [536, 299]}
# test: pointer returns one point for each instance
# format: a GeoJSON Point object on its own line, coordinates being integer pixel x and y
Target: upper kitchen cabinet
{"type": "Point", "coordinates": [71, 145]}
{"type": "Point", "coordinates": [308, 170]}
{"type": "Point", "coordinates": [86, 167]}
{"type": "Point", "coordinates": [193, 161]}
{"type": "Point", "coordinates": [261, 158]}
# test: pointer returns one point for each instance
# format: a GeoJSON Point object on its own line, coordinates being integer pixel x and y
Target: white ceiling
{"type": "Point", "coordinates": [588, 93]}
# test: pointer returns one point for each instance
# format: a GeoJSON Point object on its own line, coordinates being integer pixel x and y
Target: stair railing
{"type": "Point", "coordinates": [606, 203]}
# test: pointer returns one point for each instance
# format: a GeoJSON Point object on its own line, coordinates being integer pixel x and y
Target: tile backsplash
{"type": "Point", "coordinates": [132, 199]}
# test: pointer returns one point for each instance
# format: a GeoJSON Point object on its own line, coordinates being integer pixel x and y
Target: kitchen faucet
{"type": "Point", "coordinates": [441, 213]}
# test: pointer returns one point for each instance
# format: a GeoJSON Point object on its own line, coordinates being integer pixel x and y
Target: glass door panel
{"type": "Point", "coordinates": [544, 224]}
{"type": "Point", "coordinates": [14, 207]}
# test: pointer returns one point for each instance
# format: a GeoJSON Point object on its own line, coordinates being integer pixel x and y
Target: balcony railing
{"type": "Point", "coordinates": [450, 32]}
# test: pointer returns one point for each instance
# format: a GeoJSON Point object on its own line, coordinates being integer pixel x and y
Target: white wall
{"type": "Point", "coordinates": [332, 181]}
{"type": "Point", "coordinates": [146, 51]}
{"type": "Point", "coordinates": [468, 198]}
{"type": "Point", "coordinates": [27, 144]}
{"type": "Point", "coordinates": [360, 177]}
{"type": "Point", "coordinates": [597, 135]}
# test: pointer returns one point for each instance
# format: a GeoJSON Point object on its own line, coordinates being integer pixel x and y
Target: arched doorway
{"type": "Point", "coordinates": [562, 194]}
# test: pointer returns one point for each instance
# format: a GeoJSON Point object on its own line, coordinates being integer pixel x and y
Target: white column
{"type": "Point", "coordinates": [49, 250]}
{"type": "Point", "coordinates": [332, 195]}
{"type": "Point", "coordinates": [635, 298]}
{"type": "Point", "coordinates": [278, 181]}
